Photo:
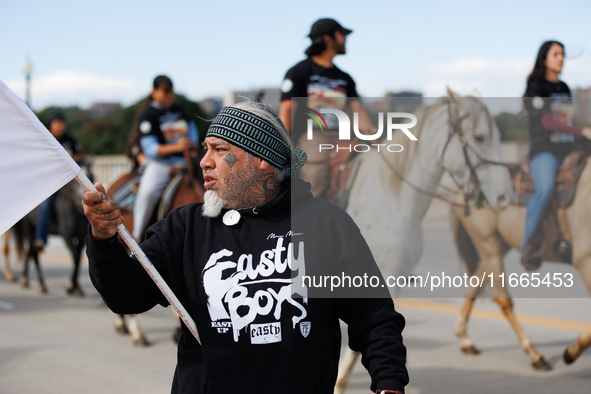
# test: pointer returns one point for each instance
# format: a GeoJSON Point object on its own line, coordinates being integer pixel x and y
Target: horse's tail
{"type": "Point", "coordinates": [19, 237]}
{"type": "Point", "coordinates": [464, 245]}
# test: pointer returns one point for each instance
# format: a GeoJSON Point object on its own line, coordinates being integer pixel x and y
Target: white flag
{"type": "Point", "coordinates": [33, 165]}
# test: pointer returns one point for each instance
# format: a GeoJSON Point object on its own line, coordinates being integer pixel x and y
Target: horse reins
{"type": "Point", "coordinates": [456, 128]}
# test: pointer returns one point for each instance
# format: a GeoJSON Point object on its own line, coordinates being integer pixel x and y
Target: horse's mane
{"type": "Point", "coordinates": [401, 162]}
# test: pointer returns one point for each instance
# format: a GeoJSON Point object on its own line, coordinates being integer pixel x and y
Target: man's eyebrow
{"type": "Point", "coordinates": [215, 143]}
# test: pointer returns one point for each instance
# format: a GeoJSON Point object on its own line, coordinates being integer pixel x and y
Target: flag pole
{"type": "Point", "coordinates": [148, 266]}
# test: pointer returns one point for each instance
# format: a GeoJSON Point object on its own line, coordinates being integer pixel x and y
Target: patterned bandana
{"type": "Point", "coordinates": [258, 137]}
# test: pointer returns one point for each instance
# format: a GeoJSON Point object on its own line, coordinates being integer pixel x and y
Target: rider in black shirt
{"type": "Point", "coordinates": [317, 83]}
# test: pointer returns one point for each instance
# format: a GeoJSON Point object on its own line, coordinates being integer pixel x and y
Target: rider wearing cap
{"type": "Point", "coordinates": [322, 85]}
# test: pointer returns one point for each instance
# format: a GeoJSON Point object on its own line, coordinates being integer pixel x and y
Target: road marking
{"type": "Point", "coordinates": [441, 307]}
{"type": "Point", "coordinates": [430, 306]}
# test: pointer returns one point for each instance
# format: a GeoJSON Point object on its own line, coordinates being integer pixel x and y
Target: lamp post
{"type": "Point", "coordinates": [28, 68]}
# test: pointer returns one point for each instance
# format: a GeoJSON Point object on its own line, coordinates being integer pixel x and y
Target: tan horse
{"type": "Point", "coordinates": [483, 239]}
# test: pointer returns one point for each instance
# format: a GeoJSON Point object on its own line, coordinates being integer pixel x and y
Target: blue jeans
{"type": "Point", "coordinates": [544, 167]}
{"type": "Point", "coordinates": [44, 219]}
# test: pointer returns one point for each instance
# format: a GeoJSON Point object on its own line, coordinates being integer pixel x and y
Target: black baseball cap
{"type": "Point", "coordinates": [326, 26]}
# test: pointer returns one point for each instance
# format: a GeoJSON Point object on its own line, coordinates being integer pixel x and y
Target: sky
{"type": "Point", "coordinates": [110, 51]}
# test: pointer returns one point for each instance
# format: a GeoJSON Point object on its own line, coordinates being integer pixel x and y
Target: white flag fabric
{"type": "Point", "coordinates": [33, 165]}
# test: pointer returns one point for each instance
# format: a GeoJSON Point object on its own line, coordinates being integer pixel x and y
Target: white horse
{"type": "Point", "coordinates": [392, 191]}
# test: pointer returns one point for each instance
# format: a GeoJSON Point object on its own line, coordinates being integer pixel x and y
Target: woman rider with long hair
{"type": "Point", "coordinates": [552, 136]}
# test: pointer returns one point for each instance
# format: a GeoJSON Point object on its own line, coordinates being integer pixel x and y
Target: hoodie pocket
{"type": "Point", "coordinates": [297, 381]}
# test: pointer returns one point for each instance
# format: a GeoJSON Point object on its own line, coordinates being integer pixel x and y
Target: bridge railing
{"type": "Point", "coordinates": [106, 169]}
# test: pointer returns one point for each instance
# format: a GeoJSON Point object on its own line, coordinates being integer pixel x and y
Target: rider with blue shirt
{"type": "Point", "coordinates": [165, 132]}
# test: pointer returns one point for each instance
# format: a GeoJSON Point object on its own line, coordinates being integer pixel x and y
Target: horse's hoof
{"type": "Point", "coordinates": [141, 341]}
{"type": "Point", "coordinates": [43, 289]}
{"type": "Point", "coordinates": [541, 365]}
{"type": "Point", "coordinates": [122, 330]}
{"type": "Point", "coordinates": [470, 350]}
{"type": "Point", "coordinates": [9, 276]}
{"type": "Point", "coordinates": [567, 357]}
{"type": "Point", "coordinates": [24, 282]}
{"type": "Point", "coordinates": [74, 291]}
{"type": "Point", "coordinates": [176, 335]}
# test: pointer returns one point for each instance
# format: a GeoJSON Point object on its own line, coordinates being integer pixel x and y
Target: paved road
{"type": "Point", "coordinates": [56, 344]}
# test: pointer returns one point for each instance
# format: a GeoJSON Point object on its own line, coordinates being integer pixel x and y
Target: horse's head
{"type": "Point", "coordinates": [472, 153]}
{"type": "Point", "coordinates": [73, 190]}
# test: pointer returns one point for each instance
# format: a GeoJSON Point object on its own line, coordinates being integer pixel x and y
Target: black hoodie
{"type": "Point", "coordinates": [235, 282]}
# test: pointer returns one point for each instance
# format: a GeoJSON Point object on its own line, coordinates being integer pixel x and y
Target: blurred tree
{"type": "Point", "coordinates": [512, 127]}
{"type": "Point", "coordinates": [102, 136]}
{"type": "Point", "coordinates": [108, 135]}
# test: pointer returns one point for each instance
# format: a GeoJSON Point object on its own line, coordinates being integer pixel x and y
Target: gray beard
{"type": "Point", "coordinates": [212, 204]}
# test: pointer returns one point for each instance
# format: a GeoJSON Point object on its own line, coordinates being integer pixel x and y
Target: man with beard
{"type": "Point", "coordinates": [237, 262]}
{"type": "Point", "coordinates": [316, 83]}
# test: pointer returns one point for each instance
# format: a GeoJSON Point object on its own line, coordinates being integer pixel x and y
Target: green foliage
{"type": "Point", "coordinates": [108, 135]}
{"type": "Point", "coordinates": [512, 127]}
{"type": "Point", "coordinates": [102, 136]}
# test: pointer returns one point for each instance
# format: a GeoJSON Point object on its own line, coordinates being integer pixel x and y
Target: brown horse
{"type": "Point", "coordinates": [185, 187]}
{"type": "Point", "coordinates": [483, 239]}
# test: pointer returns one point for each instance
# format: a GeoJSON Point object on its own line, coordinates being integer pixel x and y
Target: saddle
{"type": "Point", "coordinates": [567, 179]}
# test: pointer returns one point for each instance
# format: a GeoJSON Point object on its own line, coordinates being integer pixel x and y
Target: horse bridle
{"type": "Point", "coordinates": [456, 128]}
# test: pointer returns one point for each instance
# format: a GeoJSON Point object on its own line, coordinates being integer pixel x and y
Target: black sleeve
{"type": "Point", "coordinates": [374, 326]}
{"type": "Point", "coordinates": [295, 83]}
{"type": "Point", "coordinates": [122, 282]}
{"type": "Point", "coordinates": [375, 330]}
{"type": "Point", "coordinates": [148, 125]}
{"type": "Point", "coordinates": [536, 101]}
{"type": "Point", "coordinates": [351, 87]}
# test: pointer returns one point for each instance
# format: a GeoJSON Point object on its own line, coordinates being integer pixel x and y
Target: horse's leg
{"type": "Point", "coordinates": [537, 360]}
{"type": "Point", "coordinates": [42, 285]}
{"type": "Point", "coordinates": [346, 365]}
{"type": "Point", "coordinates": [584, 342]}
{"type": "Point", "coordinates": [7, 271]}
{"type": "Point", "coordinates": [120, 326]}
{"type": "Point", "coordinates": [74, 288]}
{"type": "Point", "coordinates": [25, 274]}
{"type": "Point", "coordinates": [137, 335]}
{"type": "Point", "coordinates": [574, 351]}
{"type": "Point", "coordinates": [461, 329]}
{"type": "Point", "coordinates": [176, 333]}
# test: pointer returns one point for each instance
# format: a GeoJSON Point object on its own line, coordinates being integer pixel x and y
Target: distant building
{"type": "Point", "coordinates": [102, 110]}
{"type": "Point", "coordinates": [211, 105]}
{"type": "Point", "coordinates": [405, 100]}
{"type": "Point", "coordinates": [269, 96]}
{"type": "Point", "coordinates": [582, 106]}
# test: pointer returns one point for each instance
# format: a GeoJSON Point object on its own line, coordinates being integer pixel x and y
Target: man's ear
{"type": "Point", "coordinates": [263, 165]}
